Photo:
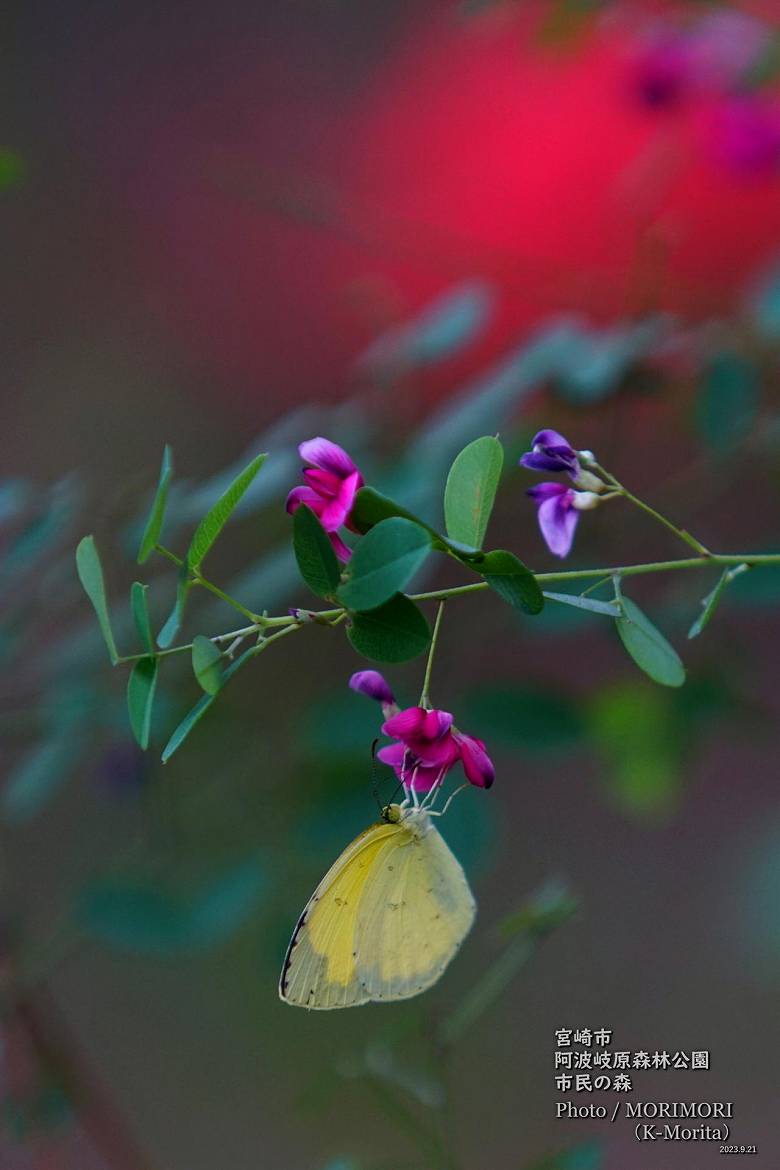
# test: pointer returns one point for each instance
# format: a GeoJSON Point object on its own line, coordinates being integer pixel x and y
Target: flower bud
{"type": "Point", "coordinates": [584, 501]}
{"type": "Point", "coordinates": [589, 482]}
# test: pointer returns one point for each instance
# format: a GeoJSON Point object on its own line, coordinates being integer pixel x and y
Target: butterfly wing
{"type": "Point", "coordinates": [320, 969]}
{"type": "Point", "coordinates": [383, 923]}
{"type": "Point", "coordinates": [415, 911]}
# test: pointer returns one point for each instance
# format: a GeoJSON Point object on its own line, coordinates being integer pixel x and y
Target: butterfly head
{"type": "Point", "coordinates": [392, 813]}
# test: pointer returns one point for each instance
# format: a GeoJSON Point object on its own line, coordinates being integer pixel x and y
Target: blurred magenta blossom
{"type": "Point", "coordinates": [428, 745]}
{"type": "Point", "coordinates": [744, 135]}
{"type": "Point", "coordinates": [712, 55]}
{"type": "Point", "coordinates": [332, 482]}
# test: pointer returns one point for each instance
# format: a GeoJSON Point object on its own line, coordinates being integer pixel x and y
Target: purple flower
{"type": "Point", "coordinates": [332, 482]}
{"type": "Point", "coordinates": [373, 684]}
{"type": "Point", "coordinates": [427, 744]}
{"type": "Point", "coordinates": [551, 452]}
{"type": "Point", "coordinates": [559, 509]}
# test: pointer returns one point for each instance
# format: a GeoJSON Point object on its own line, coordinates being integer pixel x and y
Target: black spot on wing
{"type": "Point", "coordinates": [283, 981]}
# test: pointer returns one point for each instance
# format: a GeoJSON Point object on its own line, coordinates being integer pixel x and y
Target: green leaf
{"type": "Point", "coordinates": [371, 507]}
{"type": "Point", "coordinates": [712, 600]}
{"type": "Point", "coordinates": [154, 524]}
{"type": "Point", "coordinates": [136, 914]}
{"type": "Point", "coordinates": [207, 664]}
{"type": "Point", "coordinates": [140, 698]}
{"type": "Point", "coordinates": [471, 489]}
{"type": "Point", "coordinates": [395, 632]}
{"type": "Point", "coordinates": [90, 573]}
{"type": "Point", "coordinates": [13, 169]}
{"type": "Point", "coordinates": [140, 611]}
{"type": "Point", "coordinates": [215, 519]}
{"type": "Point", "coordinates": [37, 777]}
{"type": "Point", "coordinates": [640, 731]}
{"type": "Point", "coordinates": [532, 718]}
{"type": "Point", "coordinates": [317, 562]}
{"type": "Point", "coordinates": [41, 535]}
{"type": "Point", "coordinates": [193, 717]}
{"type": "Point", "coordinates": [648, 647]}
{"type": "Point", "coordinates": [185, 727]}
{"type": "Point", "coordinates": [588, 1156]}
{"type": "Point", "coordinates": [173, 624]}
{"type": "Point", "coordinates": [728, 401]}
{"type": "Point", "coordinates": [384, 562]}
{"type": "Point", "coordinates": [547, 909]}
{"type": "Point", "coordinates": [512, 580]}
{"type": "Point", "coordinates": [608, 608]}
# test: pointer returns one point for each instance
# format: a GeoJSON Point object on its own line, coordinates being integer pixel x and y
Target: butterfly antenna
{"type": "Point", "coordinates": [375, 777]}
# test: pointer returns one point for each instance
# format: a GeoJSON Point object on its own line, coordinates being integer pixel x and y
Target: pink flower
{"type": "Point", "coordinates": [477, 764]}
{"type": "Point", "coordinates": [427, 744]}
{"type": "Point", "coordinates": [332, 482]}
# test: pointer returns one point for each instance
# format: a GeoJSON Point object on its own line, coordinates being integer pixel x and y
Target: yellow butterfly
{"type": "Point", "coordinates": [384, 922]}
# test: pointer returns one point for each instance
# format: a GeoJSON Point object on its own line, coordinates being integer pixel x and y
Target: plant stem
{"type": "Point", "coordinates": [619, 489]}
{"type": "Point", "coordinates": [335, 616]}
{"type": "Point", "coordinates": [425, 696]}
{"type": "Point", "coordinates": [684, 535]}
{"type": "Point", "coordinates": [230, 635]}
{"type": "Point", "coordinates": [199, 579]}
{"type": "Point", "coordinates": [220, 593]}
{"type": "Point", "coordinates": [483, 994]}
{"type": "Point", "coordinates": [405, 1118]}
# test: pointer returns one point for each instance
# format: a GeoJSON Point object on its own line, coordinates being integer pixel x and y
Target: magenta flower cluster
{"type": "Point", "coordinates": [428, 745]}
{"type": "Point", "coordinates": [332, 482]}
{"type": "Point", "coordinates": [708, 64]}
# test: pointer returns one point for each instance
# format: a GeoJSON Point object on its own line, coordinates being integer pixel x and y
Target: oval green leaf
{"type": "Point", "coordinates": [712, 600]}
{"type": "Point", "coordinates": [511, 579]}
{"type": "Point", "coordinates": [157, 512]}
{"type": "Point", "coordinates": [193, 717]}
{"type": "Point", "coordinates": [395, 632]}
{"type": "Point", "coordinates": [140, 611]}
{"type": "Point", "coordinates": [141, 687]}
{"type": "Point", "coordinates": [644, 773]}
{"type": "Point", "coordinates": [590, 604]}
{"type": "Point", "coordinates": [383, 563]}
{"type": "Point", "coordinates": [90, 574]}
{"type": "Point", "coordinates": [648, 647]}
{"type": "Point", "coordinates": [207, 664]}
{"type": "Point", "coordinates": [317, 562]}
{"type": "Point", "coordinates": [215, 519]}
{"type": "Point", "coordinates": [471, 489]}
{"type": "Point", "coordinates": [371, 507]}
